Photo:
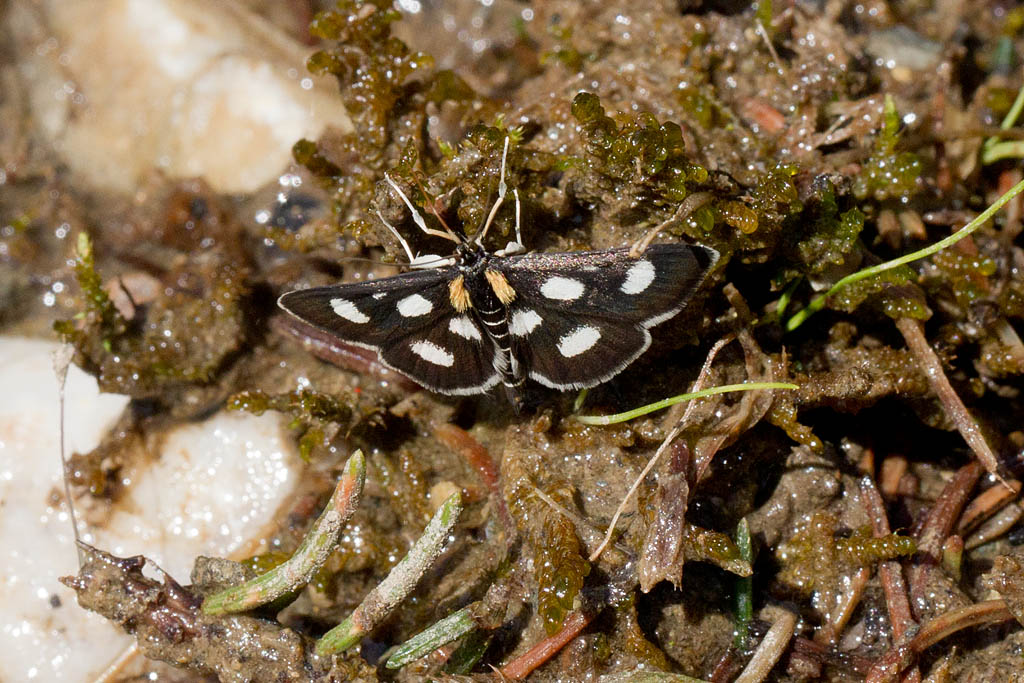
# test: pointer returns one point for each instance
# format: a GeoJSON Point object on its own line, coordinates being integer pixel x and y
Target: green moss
{"type": "Point", "coordinates": [738, 215]}
{"type": "Point", "coordinates": [892, 289]}
{"type": "Point", "coordinates": [965, 274]}
{"type": "Point", "coordinates": [774, 196]}
{"type": "Point", "coordinates": [783, 414]}
{"type": "Point", "coordinates": [701, 544]}
{"type": "Point", "coordinates": [564, 51]}
{"type": "Point", "coordinates": [700, 108]}
{"type": "Point", "coordinates": [182, 337]}
{"type": "Point", "coordinates": [815, 557]}
{"type": "Point", "coordinates": [264, 562]}
{"type": "Point", "coordinates": [888, 173]}
{"type": "Point", "coordinates": [386, 89]}
{"type": "Point", "coordinates": [371, 65]}
{"type": "Point", "coordinates": [307, 154]}
{"type": "Point", "coordinates": [823, 236]}
{"type": "Point", "coordinates": [316, 415]}
{"type": "Point", "coordinates": [640, 150]}
{"type": "Point", "coordinates": [559, 566]}
{"type": "Point", "coordinates": [101, 317]}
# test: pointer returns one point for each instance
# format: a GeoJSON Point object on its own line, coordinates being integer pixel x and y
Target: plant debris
{"type": "Point", "coordinates": [818, 148]}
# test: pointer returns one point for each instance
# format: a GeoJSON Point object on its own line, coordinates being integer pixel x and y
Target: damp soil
{"type": "Point", "coordinates": [801, 141]}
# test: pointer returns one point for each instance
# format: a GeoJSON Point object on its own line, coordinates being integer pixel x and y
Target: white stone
{"type": "Point", "coordinates": [211, 489]}
{"type": "Point", "coordinates": [187, 87]}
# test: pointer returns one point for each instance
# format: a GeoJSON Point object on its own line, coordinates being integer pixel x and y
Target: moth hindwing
{"type": "Point", "coordinates": [565, 320]}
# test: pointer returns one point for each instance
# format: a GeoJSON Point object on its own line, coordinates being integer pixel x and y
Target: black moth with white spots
{"type": "Point", "coordinates": [464, 324]}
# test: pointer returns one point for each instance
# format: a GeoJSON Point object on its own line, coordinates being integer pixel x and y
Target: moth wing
{"type": "Point", "coordinates": [579, 319]}
{"type": "Point", "coordinates": [574, 353]}
{"type": "Point", "coordinates": [410, 321]}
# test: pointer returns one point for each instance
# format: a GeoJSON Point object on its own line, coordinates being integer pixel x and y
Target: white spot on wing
{"type": "Point", "coordinates": [638, 278]}
{"type": "Point", "coordinates": [379, 295]}
{"type": "Point", "coordinates": [524, 322]}
{"type": "Point", "coordinates": [464, 327]}
{"type": "Point", "coordinates": [579, 340]}
{"type": "Point", "coordinates": [347, 310]}
{"type": "Point", "coordinates": [432, 353]}
{"type": "Point", "coordinates": [562, 288]}
{"type": "Point", "coordinates": [414, 305]}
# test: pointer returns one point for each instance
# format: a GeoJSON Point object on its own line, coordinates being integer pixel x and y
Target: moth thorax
{"type": "Point", "coordinates": [502, 289]}
{"type": "Point", "coordinates": [458, 294]}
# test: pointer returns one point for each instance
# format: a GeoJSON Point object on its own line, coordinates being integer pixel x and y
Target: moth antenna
{"type": "Point", "coordinates": [417, 217]}
{"type": "Point", "coordinates": [502, 189]}
{"type": "Point", "coordinates": [398, 236]}
{"type": "Point", "coordinates": [61, 361]}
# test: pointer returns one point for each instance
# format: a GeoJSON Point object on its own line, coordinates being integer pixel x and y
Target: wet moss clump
{"type": "Point", "coordinates": [824, 236]}
{"type": "Point", "coordinates": [640, 144]}
{"type": "Point", "coordinates": [814, 557]}
{"type": "Point", "coordinates": [559, 565]}
{"type": "Point", "coordinates": [185, 336]}
{"type": "Point", "coordinates": [965, 275]}
{"type": "Point", "coordinates": [318, 417]}
{"type": "Point", "coordinates": [893, 291]}
{"type": "Point", "coordinates": [386, 89]}
{"type": "Point", "coordinates": [371, 65]}
{"type": "Point", "coordinates": [100, 314]}
{"type": "Point", "coordinates": [889, 173]}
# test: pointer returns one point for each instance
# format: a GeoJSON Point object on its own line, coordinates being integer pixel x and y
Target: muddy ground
{"type": "Point", "coordinates": [801, 141]}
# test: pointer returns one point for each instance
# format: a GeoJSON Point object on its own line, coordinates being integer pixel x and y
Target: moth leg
{"type": "Point", "coordinates": [515, 247]}
{"type": "Point", "coordinates": [687, 207]}
{"type": "Point", "coordinates": [417, 217]}
{"type": "Point", "coordinates": [502, 189]}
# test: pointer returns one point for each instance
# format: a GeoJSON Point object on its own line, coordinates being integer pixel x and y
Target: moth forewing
{"type": "Point", "coordinates": [410, 322]}
{"type": "Point", "coordinates": [581, 318]}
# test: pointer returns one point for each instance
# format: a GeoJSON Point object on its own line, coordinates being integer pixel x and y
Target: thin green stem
{"type": "Point", "coordinates": [744, 587]}
{"type": "Point", "coordinates": [665, 403]}
{"type": "Point", "coordinates": [818, 302]}
{"type": "Point", "coordinates": [993, 150]}
{"type": "Point", "coordinates": [449, 629]}
{"type": "Point", "coordinates": [386, 595]}
{"type": "Point", "coordinates": [311, 555]}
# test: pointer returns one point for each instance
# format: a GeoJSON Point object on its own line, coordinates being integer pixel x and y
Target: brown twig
{"type": "Point", "coordinates": [479, 458]}
{"type": "Point", "coordinates": [841, 613]}
{"type": "Point", "coordinates": [986, 504]}
{"type": "Point", "coordinates": [523, 665]}
{"type": "Point", "coordinates": [898, 658]}
{"type": "Point", "coordinates": [955, 409]}
{"type": "Point", "coordinates": [931, 532]}
{"type": "Point", "coordinates": [995, 527]}
{"type": "Point", "coordinates": [771, 648]}
{"type": "Point", "coordinates": [889, 571]}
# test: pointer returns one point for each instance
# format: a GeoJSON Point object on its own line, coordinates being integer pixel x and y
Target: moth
{"type": "Point", "coordinates": [462, 324]}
